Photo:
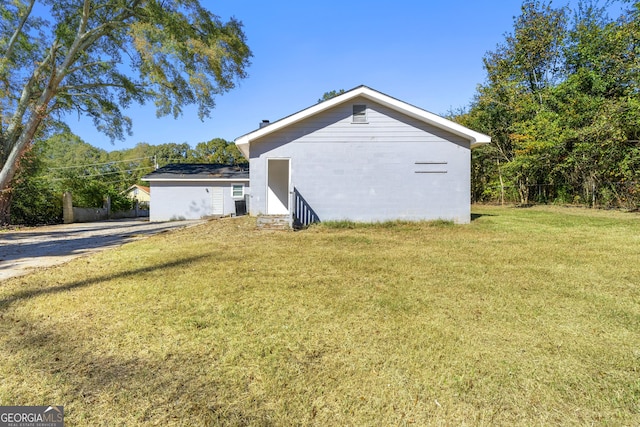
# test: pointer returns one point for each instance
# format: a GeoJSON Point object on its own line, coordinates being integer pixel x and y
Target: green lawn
{"type": "Point", "coordinates": [523, 317]}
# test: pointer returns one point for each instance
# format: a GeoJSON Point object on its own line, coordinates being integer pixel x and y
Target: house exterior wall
{"type": "Point", "coordinates": [139, 195]}
{"type": "Point", "coordinates": [393, 167]}
{"type": "Point", "coordinates": [175, 200]}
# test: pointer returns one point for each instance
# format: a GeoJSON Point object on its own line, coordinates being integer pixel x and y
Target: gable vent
{"type": "Point", "coordinates": [359, 114]}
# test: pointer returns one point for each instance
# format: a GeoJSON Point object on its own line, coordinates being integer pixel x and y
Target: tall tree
{"type": "Point", "coordinates": [562, 105]}
{"type": "Point", "coordinates": [511, 104]}
{"type": "Point", "coordinates": [96, 58]}
{"type": "Point", "coordinates": [599, 102]}
{"type": "Point", "coordinates": [220, 151]}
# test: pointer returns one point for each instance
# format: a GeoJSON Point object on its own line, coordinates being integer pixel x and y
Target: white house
{"type": "Point", "coordinates": [195, 191]}
{"type": "Point", "coordinates": [361, 156]}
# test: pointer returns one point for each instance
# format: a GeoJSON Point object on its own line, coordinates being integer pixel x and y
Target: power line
{"type": "Point", "coordinates": [115, 172]}
{"type": "Point", "coordinates": [105, 173]}
{"type": "Point", "coordinates": [100, 164]}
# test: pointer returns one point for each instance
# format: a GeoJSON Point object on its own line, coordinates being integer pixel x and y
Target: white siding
{"type": "Point", "coordinates": [175, 200]}
{"type": "Point", "coordinates": [392, 167]}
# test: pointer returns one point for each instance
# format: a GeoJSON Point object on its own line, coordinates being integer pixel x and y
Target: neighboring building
{"type": "Point", "coordinates": [140, 193]}
{"type": "Point", "coordinates": [361, 156]}
{"type": "Point", "coordinates": [195, 191]}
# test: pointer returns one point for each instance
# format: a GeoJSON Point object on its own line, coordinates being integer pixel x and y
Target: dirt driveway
{"type": "Point", "coordinates": [24, 250]}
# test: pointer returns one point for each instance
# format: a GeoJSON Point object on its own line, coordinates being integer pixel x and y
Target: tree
{"type": "Point", "coordinates": [599, 102]}
{"type": "Point", "coordinates": [96, 58]}
{"type": "Point", "coordinates": [220, 151]}
{"type": "Point", "coordinates": [512, 105]}
{"type": "Point", "coordinates": [36, 200]}
{"type": "Point", "coordinates": [172, 152]}
{"type": "Point", "coordinates": [562, 105]}
{"type": "Point", "coordinates": [52, 166]}
{"type": "Point", "coordinates": [519, 75]}
{"type": "Point", "coordinates": [332, 94]}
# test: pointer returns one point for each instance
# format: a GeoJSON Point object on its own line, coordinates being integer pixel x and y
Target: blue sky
{"type": "Point", "coordinates": [425, 52]}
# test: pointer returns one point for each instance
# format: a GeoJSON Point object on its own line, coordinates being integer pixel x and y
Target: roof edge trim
{"type": "Point", "coordinates": [475, 138]}
{"type": "Point", "coordinates": [195, 179]}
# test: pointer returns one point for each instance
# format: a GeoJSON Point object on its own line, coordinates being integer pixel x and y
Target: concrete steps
{"type": "Point", "coordinates": [274, 222]}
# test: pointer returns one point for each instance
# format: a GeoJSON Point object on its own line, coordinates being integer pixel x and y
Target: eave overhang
{"type": "Point", "coordinates": [475, 138]}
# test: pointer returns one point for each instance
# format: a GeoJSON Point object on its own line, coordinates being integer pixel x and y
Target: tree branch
{"type": "Point", "coordinates": [26, 97]}
{"type": "Point", "coordinates": [87, 65]}
{"type": "Point", "coordinates": [85, 18]}
{"type": "Point", "coordinates": [18, 30]}
{"type": "Point", "coordinates": [79, 88]}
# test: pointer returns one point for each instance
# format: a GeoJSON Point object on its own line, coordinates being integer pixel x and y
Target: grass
{"type": "Point", "coordinates": [524, 317]}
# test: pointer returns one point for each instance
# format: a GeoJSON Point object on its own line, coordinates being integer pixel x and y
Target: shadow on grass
{"type": "Point", "coordinates": [141, 384]}
{"type": "Point", "coordinates": [32, 293]}
{"type": "Point", "coordinates": [475, 216]}
{"type": "Point", "coordinates": [94, 384]}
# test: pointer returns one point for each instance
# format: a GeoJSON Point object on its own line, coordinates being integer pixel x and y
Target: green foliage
{"type": "Point", "coordinates": [171, 153]}
{"type": "Point", "coordinates": [561, 103]}
{"type": "Point", "coordinates": [95, 58]}
{"type": "Point", "coordinates": [331, 94]}
{"type": "Point", "coordinates": [220, 151]}
{"type": "Point", "coordinates": [35, 203]}
{"type": "Point", "coordinates": [35, 200]}
{"type": "Point", "coordinates": [64, 162]}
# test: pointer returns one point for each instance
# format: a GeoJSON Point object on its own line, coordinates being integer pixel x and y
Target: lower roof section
{"type": "Point", "coordinates": [199, 172]}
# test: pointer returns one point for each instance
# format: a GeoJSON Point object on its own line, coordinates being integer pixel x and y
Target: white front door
{"type": "Point", "coordinates": [217, 194]}
{"type": "Point", "coordinates": [277, 186]}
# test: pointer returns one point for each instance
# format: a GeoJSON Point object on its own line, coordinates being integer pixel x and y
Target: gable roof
{"type": "Point", "coordinates": [198, 172]}
{"type": "Point", "coordinates": [139, 187]}
{"type": "Point", "coordinates": [475, 138]}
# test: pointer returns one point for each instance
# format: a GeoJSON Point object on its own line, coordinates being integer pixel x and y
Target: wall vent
{"type": "Point", "coordinates": [359, 114]}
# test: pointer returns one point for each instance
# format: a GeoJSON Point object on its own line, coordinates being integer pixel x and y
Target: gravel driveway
{"type": "Point", "coordinates": [24, 250]}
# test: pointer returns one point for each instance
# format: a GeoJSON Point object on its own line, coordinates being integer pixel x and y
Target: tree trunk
{"type": "Point", "coordinates": [501, 183]}
{"type": "Point", "coordinates": [523, 191]}
{"type": "Point", "coordinates": [5, 207]}
{"type": "Point", "coordinates": [7, 173]}
{"type": "Point", "coordinates": [21, 143]}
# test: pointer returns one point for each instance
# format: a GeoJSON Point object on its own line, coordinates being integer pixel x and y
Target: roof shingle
{"type": "Point", "coordinates": [194, 171]}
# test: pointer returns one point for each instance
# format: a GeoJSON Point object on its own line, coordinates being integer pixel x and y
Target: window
{"type": "Point", "coordinates": [237, 191]}
{"type": "Point", "coordinates": [359, 114]}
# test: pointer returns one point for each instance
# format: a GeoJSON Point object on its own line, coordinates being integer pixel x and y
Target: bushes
{"type": "Point", "coordinates": [34, 203]}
